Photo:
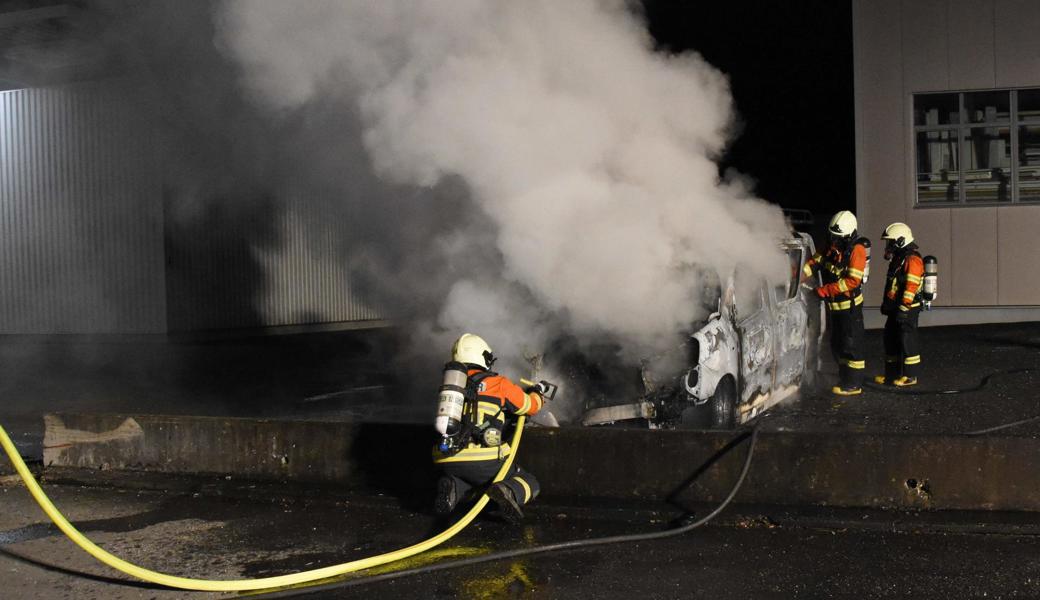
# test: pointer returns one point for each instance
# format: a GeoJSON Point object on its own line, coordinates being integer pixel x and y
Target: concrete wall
{"type": "Point", "coordinates": [986, 256]}
{"type": "Point", "coordinates": [955, 472]}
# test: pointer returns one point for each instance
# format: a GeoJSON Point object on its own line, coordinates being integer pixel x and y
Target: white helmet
{"type": "Point", "coordinates": [472, 349]}
{"type": "Point", "coordinates": [899, 234]}
{"type": "Point", "coordinates": [843, 224]}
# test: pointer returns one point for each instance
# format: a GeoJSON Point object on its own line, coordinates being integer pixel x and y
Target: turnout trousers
{"type": "Point", "coordinates": [478, 473]}
{"type": "Point", "coordinates": [902, 346]}
{"type": "Point", "coordinates": [847, 345]}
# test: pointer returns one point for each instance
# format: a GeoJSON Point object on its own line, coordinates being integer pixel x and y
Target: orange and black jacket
{"type": "Point", "coordinates": [841, 267]}
{"type": "Point", "coordinates": [903, 283]}
{"type": "Point", "coordinates": [497, 397]}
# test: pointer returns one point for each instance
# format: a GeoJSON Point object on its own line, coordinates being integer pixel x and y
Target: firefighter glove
{"type": "Point", "coordinates": [821, 292]}
{"type": "Point", "coordinates": [541, 388]}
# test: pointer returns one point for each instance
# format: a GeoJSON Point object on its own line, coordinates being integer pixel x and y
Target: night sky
{"type": "Point", "coordinates": [790, 68]}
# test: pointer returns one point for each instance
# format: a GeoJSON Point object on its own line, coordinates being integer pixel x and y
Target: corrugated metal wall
{"type": "Point", "coordinates": [307, 279]}
{"type": "Point", "coordinates": [81, 234]}
{"type": "Point", "coordinates": [89, 243]}
{"type": "Point", "coordinates": [259, 262]}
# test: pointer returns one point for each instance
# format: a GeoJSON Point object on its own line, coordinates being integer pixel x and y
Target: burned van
{"type": "Point", "coordinates": [758, 347]}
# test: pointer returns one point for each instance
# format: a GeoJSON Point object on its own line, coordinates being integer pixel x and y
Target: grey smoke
{"type": "Point", "coordinates": [591, 155]}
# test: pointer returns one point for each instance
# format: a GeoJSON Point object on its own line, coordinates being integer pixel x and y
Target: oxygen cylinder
{"type": "Point", "coordinates": [930, 287]}
{"type": "Point", "coordinates": [866, 269]}
{"type": "Point", "coordinates": [451, 399]}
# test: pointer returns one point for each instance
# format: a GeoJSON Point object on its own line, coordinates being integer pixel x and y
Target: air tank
{"type": "Point", "coordinates": [451, 399]}
{"type": "Point", "coordinates": [930, 287]}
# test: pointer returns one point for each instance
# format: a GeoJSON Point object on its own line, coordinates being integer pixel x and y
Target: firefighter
{"type": "Point", "coordinates": [902, 305]}
{"type": "Point", "coordinates": [492, 405]}
{"type": "Point", "coordinates": [843, 267]}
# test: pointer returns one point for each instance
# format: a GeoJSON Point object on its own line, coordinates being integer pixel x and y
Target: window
{"type": "Point", "coordinates": [977, 147]}
{"type": "Point", "coordinates": [789, 289]}
{"type": "Point", "coordinates": [748, 292]}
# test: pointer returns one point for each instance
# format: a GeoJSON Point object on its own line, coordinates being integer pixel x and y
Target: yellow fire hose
{"type": "Point", "coordinates": [239, 585]}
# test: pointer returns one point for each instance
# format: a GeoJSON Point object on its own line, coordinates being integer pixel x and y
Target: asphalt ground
{"type": "Point", "coordinates": [953, 358]}
{"type": "Point", "coordinates": [748, 552]}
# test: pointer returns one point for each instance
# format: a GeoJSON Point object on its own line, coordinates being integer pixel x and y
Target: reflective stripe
{"type": "Point", "coordinates": [487, 409]}
{"type": "Point", "coordinates": [473, 453]}
{"type": "Point", "coordinates": [914, 278]}
{"type": "Point", "coordinates": [847, 304]}
{"type": "Point", "coordinates": [527, 490]}
{"type": "Point", "coordinates": [856, 364]}
{"type": "Point", "coordinates": [527, 405]}
{"type": "Point", "coordinates": [807, 269]}
{"type": "Point", "coordinates": [843, 286]}
{"type": "Point", "coordinates": [909, 295]}
{"type": "Point", "coordinates": [855, 273]}
{"type": "Point", "coordinates": [912, 360]}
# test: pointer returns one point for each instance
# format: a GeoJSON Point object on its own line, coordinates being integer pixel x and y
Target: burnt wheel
{"type": "Point", "coordinates": [719, 412]}
{"type": "Point", "coordinates": [722, 408]}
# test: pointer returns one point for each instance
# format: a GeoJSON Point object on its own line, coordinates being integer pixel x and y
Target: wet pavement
{"type": "Point", "coordinates": [749, 552]}
{"type": "Point", "coordinates": [953, 358]}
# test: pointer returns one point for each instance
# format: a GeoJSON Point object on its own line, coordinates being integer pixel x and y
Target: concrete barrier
{"type": "Point", "coordinates": [829, 469]}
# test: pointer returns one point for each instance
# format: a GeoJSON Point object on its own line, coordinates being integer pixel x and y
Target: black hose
{"type": "Point", "coordinates": [891, 389]}
{"type": "Point", "coordinates": [561, 546]}
{"type": "Point", "coordinates": [1004, 426]}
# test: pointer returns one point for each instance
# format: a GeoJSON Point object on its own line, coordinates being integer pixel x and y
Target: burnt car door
{"type": "Point", "coordinates": [757, 341]}
{"type": "Point", "coordinates": [791, 319]}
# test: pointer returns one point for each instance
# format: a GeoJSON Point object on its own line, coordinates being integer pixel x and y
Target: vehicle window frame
{"type": "Point", "coordinates": [760, 288]}
{"type": "Point", "coordinates": [794, 280]}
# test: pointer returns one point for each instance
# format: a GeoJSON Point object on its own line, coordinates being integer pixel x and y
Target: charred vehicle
{"type": "Point", "coordinates": [758, 346]}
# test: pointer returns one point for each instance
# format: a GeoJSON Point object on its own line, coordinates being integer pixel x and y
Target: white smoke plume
{"type": "Point", "coordinates": [592, 155]}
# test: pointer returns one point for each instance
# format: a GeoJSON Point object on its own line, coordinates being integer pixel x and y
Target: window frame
{"type": "Point", "coordinates": [962, 130]}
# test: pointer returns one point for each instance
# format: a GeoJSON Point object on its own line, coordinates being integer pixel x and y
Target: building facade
{"type": "Point", "coordinates": [948, 141]}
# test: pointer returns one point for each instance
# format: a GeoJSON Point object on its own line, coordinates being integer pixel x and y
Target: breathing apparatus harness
{"type": "Point", "coordinates": [458, 426]}
{"type": "Point", "coordinates": [836, 269]}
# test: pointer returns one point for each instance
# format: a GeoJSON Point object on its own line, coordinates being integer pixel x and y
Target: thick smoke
{"type": "Point", "coordinates": [590, 156]}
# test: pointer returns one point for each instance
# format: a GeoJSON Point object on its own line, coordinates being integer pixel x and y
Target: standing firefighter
{"type": "Point", "coordinates": [477, 406]}
{"type": "Point", "coordinates": [843, 267]}
{"type": "Point", "coordinates": [902, 304]}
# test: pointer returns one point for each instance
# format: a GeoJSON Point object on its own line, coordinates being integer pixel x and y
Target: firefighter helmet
{"type": "Point", "coordinates": [843, 224]}
{"type": "Point", "coordinates": [898, 234]}
{"type": "Point", "coordinates": [473, 350]}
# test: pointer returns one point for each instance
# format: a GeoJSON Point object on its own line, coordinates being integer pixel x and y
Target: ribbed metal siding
{"type": "Point", "coordinates": [80, 213]}
{"type": "Point", "coordinates": [248, 262]}
{"type": "Point", "coordinates": [308, 278]}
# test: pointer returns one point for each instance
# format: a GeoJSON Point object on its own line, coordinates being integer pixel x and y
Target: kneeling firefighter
{"type": "Point", "coordinates": [902, 305]}
{"type": "Point", "coordinates": [476, 407]}
{"type": "Point", "coordinates": [844, 266]}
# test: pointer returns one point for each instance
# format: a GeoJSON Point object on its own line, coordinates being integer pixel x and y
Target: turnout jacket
{"type": "Point", "coordinates": [497, 399]}
{"type": "Point", "coordinates": [903, 282]}
{"type": "Point", "coordinates": [841, 267]}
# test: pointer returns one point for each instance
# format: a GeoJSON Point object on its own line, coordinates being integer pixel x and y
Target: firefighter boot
{"type": "Point", "coordinates": [905, 381]}
{"type": "Point", "coordinates": [841, 391]}
{"type": "Point", "coordinates": [447, 496]}
{"type": "Point", "coordinates": [507, 504]}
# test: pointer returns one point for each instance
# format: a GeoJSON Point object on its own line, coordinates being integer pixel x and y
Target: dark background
{"type": "Point", "coordinates": [790, 69]}
{"type": "Point", "coordinates": [789, 64]}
